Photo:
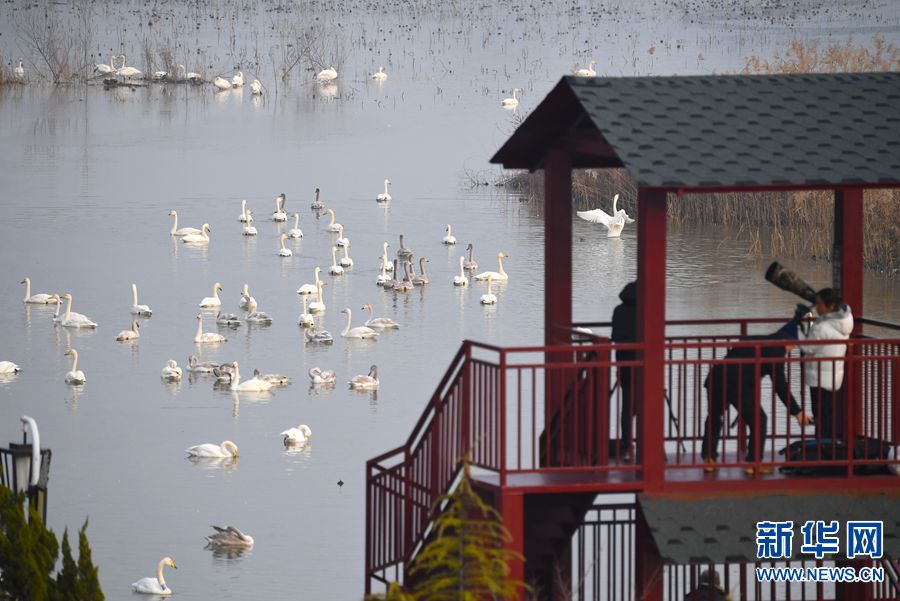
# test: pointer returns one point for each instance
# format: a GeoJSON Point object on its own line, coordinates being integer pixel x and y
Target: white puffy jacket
{"type": "Point", "coordinates": [836, 325]}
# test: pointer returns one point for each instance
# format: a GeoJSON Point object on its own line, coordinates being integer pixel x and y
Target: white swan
{"type": "Point", "coordinates": [208, 449]}
{"type": "Point", "coordinates": [171, 372]}
{"type": "Point", "coordinates": [155, 586]}
{"type": "Point", "coordinates": [72, 319]}
{"type": "Point", "coordinates": [335, 269]}
{"type": "Point", "coordinates": [384, 196]}
{"type": "Point", "coordinates": [511, 102]}
{"type": "Point", "coordinates": [422, 278]}
{"type": "Point", "coordinates": [614, 223]}
{"type": "Point", "coordinates": [383, 278]}
{"type": "Point", "coordinates": [126, 72]}
{"type": "Point", "coordinates": [195, 366]}
{"type": "Point", "coordinates": [254, 384]}
{"type": "Point", "coordinates": [341, 241]}
{"type": "Point", "coordinates": [333, 227]}
{"type": "Point", "coordinates": [328, 74]}
{"type": "Point", "coordinates": [221, 83]}
{"type": "Point", "coordinates": [238, 80]}
{"type": "Point", "coordinates": [132, 334]}
{"type": "Point", "coordinates": [201, 238]}
{"type": "Point", "coordinates": [318, 305]}
{"type": "Point", "coordinates": [317, 205]}
{"type": "Point", "coordinates": [40, 298]}
{"type": "Point", "coordinates": [8, 367]}
{"type": "Point", "coordinates": [20, 71]}
{"type": "Point", "coordinates": [106, 69]}
{"type": "Point", "coordinates": [498, 275]}
{"type": "Point", "coordinates": [368, 382]}
{"type": "Point", "coordinates": [206, 337]}
{"type": "Point", "coordinates": [249, 229]}
{"type": "Point", "coordinates": [379, 323]}
{"type": "Point", "coordinates": [279, 214]}
{"type": "Point", "coordinates": [229, 536]}
{"type": "Point", "coordinates": [246, 299]}
{"type": "Point", "coordinates": [245, 217]}
{"type": "Point", "coordinates": [588, 72]}
{"type": "Point", "coordinates": [296, 232]}
{"type": "Point", "coordinates": [320, 377]}
{"type": "Point", "coordinates": [461, 279]}
{"type": "Point", "coordinates": [310, 288]}
{"type": "Point", "coordinates": [364, 332]}
{"type": "Point", "coordinates": [379, 75]}
{"type": "Point", "coordinates": [386, 263]}
{"type": "Point", "coordinates": [191, 76]}
{"type": "Point", "coordinates": [213, 301]}
{"type": "Point", "coordinates": [470, 263]}
{"type": "Point", "coordinates": [75, 375]}
{"type": "Point", "coordinates": [256, 88]}
{"type": "Point", "coordinates": [490, 298]}
{"type": "Point", "coordinates": [306, 318]}
{"type": "Point", "coordinates": [136, 309]}
{"type": "Point", "coordinates": [283, 251]}
{"type": "Point", "coordinates": [185, 231]}
{"type": "Point", "coordinates": [299, 435]}
{"type": "Point", "coordinates": [158, 75]}
{"type": "Point", "coordinates": [346, 261]}
{"type": "Point", "coordinates": [449, 238]}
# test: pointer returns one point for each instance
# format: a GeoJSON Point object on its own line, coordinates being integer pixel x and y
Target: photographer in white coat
{"type": "Point", "coordinates": [825, 377]}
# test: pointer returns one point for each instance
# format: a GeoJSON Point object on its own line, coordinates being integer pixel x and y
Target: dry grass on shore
{"type": "Point", "coordinates": [779, 225]}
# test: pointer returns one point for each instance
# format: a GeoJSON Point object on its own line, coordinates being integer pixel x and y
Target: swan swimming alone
{"type": "Point", "coordinates": [317, 205]}
{"type": "Point", "coordinates": [136, 309]}
{"type": "Point", "coordinates": [614, 223]}
{"type": "Point", "coordinates": [208, 449]}
{"type": "Point", "coordinates": [171, 372]}
{"type": "Point", "coordinates": [328, 74]}
{"type": "Point", "coordinates": [185, 231]}
{"type": "Point", "coordinates": [201, 238]}
{"type": "Point", "coordinates": [132, 334]}
{"type": "Point", "coordinates": [513, 102]}
{"type": "Point", "coordinates": [498, 275]}
{"type": "Point", "coordinates": [379, 75]}
{"type": "Point", "coordinates": [206, 337]}
{"type": "Point", "coordinates": [72, 319]}
{"type": "Point", "coordinates": [295, 231]}
{"type": "Point", "coordinates": [74, 375]}
{"type": "Point", "coordinates": [367, 382]}
{"type": "Point", "coordinates": [588, 72]}
{"type": "Point", "coordinates": [363, 332]}
{"type": "Point", "coordinates": [40, 298]}
{"type": "Point", "coordinates": [320, 377]}
{"type": "Point", "coordinates": [385, 196]}
{"type": "Point", "coordinates": [8, 367]}
{"type": "Point", "coordinates": [155, 586]}
{"type": "Point", "coordinates": [379, 323]}
{"type": "Point", "coordinates": [490, 298]}
{"type": "Point", "coordinates": [461, 279]}
{"type": "Point", "coordinates": [229, 536]}
{"type": "Point", "coordinates": [449, 238]}
{"type": "Point", "coordinates": [19, 71]}
{"type": "Point", "coordinates": [279, 214]}
{"type": "Point", "coordinates": [282, 250]}
{"type": "Point", "coordinates": [299, 435]}
{"type": "Point", "coordinates": [213, 301]}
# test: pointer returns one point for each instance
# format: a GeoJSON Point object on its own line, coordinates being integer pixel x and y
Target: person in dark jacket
{"type": "Point", "coordinates": [708, 589]}
{"type": "Point", "coordinates": [737, 384]}
{"type": "Point", "coordinates": [624, 330]}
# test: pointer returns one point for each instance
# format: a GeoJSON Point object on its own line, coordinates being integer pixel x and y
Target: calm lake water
{"type": "Point", "coordinates": [89, 175]}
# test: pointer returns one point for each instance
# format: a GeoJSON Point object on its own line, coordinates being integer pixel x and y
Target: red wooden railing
{"type": "Point", "coordinates": [514, 413]}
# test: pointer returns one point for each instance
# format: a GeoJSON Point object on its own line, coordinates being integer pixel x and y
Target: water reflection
{"type": "Point", "coordinates": [228, 553]}
{"type": "Point", "coordinates": [303, 450]}
{"type": "Point", "coordinates": [226, 464]}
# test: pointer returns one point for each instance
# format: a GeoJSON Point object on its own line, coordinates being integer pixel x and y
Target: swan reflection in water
{"type": "Point", "coordinates": [228, 464]}
{"type": "Point", "coordinates": [229, 553]}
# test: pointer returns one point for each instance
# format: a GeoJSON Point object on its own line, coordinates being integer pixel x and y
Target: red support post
{"type": "Point", "coordinates": [848, 250]}
{"type": "Point", "coordinates": [512, 508]}
{"type": "Point", "coordinates": [651, 307]}
{"type": "Point", "coordinates": [648, 566]}
{"type": "Point", "coordinates": [557, 246]}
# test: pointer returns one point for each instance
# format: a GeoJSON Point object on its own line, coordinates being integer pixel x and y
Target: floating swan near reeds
{"type": "Point", "coordinates": [586, 72]}
{"type": "Point", "coordinates": [19, 71]}
{"type": "Point", "coordinates": [346, 261]}
{"type": "Point", "coordinates": [498, 275]}
{"type": "Point", "coordinates": [195, 366]}
{"type": "Point", "coordinates": [245, 217]}
{"type": "Point", "coordinates": [384, 196]}
{"type": "Point", "coordinates": [185, 231]}
{"type": "Point", "coordinates": [363, 332]}
{"type": "Point", "coordinates": [335, 269]}
{"type": "Point", "coordinates": [126, 72]}
{"type": "Point", "coordinates": [317, 205]}
{"type": "Point", "coordinates": [422, 278]}
{"type": "Point", "coordinates": [171, 372]}
{"type": "Point", "coordinates": [318, 376]}
{"type": "Point", "coordinates": [201, 238]}
{"type": "Point", "coordinates": [238, 80]}
{"type": "Point", "coordinates": [490, 298]}
{"type": "Point", "coordinates": [155, 586]}
{"type": "Point", "coordinates": [299, 435]}
{"type": "Point", "coordinates": [256, 88]}
{"type": "Point", "coordinates": [328, 74]}
{"type": "Point", "coordinates": [379, 75]}
{"type": "Point", "coordinates": [295, 231]}
{"type": "Point", "coordinates": [106, 69]}
{"type": "Point", "coordinates": [208, 449]}
{"type": "Point", "coordinates": [184, 74]}
{"type": "Point", "coordinates": [614, 223]}
{"type": "Point", "coordinates": [229, 536]}
{"type": "Point", "coordinates": [367, 382]}
{"type": "Point", "coordinates": [75, 375]}
{"type": "Point", "coordinates": [206, 337]}
{"type": "Point", "coordinates": [214, 300]}
{"type": "Point", "coordinates": [8, 367]}
{"type": "Point", "coordinates": [279, 214]}
{"type": "Point", "coordinates": [333, 227]}
{"type": "Point", "coordinates": [449, 238]}
{"type": "Point", "coordinates": [132, 334]}
{"type": "Point", "coordinates": [221, 83]}
{"type": "Point", "coordinates": [470, 263]}
{"type": "Point", "coordinates": [511, 102]}
{"type": "Point", "coordinates": [461, 279]}
{"type": "Point", "coordinates": [310, 288]}
{"type": "Point", "coordinates": [40, 298]}
{"type": "Point", "coordinates": [282, 250]}
{"type": "Point", "coordinates": [136, 309]}
{"type": "Point", "coordinates": [72, 319]}
{"type": "Point", "coordinates": [379, 323]}
{"type": "Point", "coordinates": [318, 305]}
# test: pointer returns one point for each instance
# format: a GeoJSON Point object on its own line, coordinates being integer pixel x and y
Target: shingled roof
{"type": "Point", "coordinates": [735, 131]}
{"type": "Point", "coordinates": [723, 529]}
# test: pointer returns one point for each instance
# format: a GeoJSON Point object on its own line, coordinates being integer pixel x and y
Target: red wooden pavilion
{"type": "Point", "coordinates": [537, 422]}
